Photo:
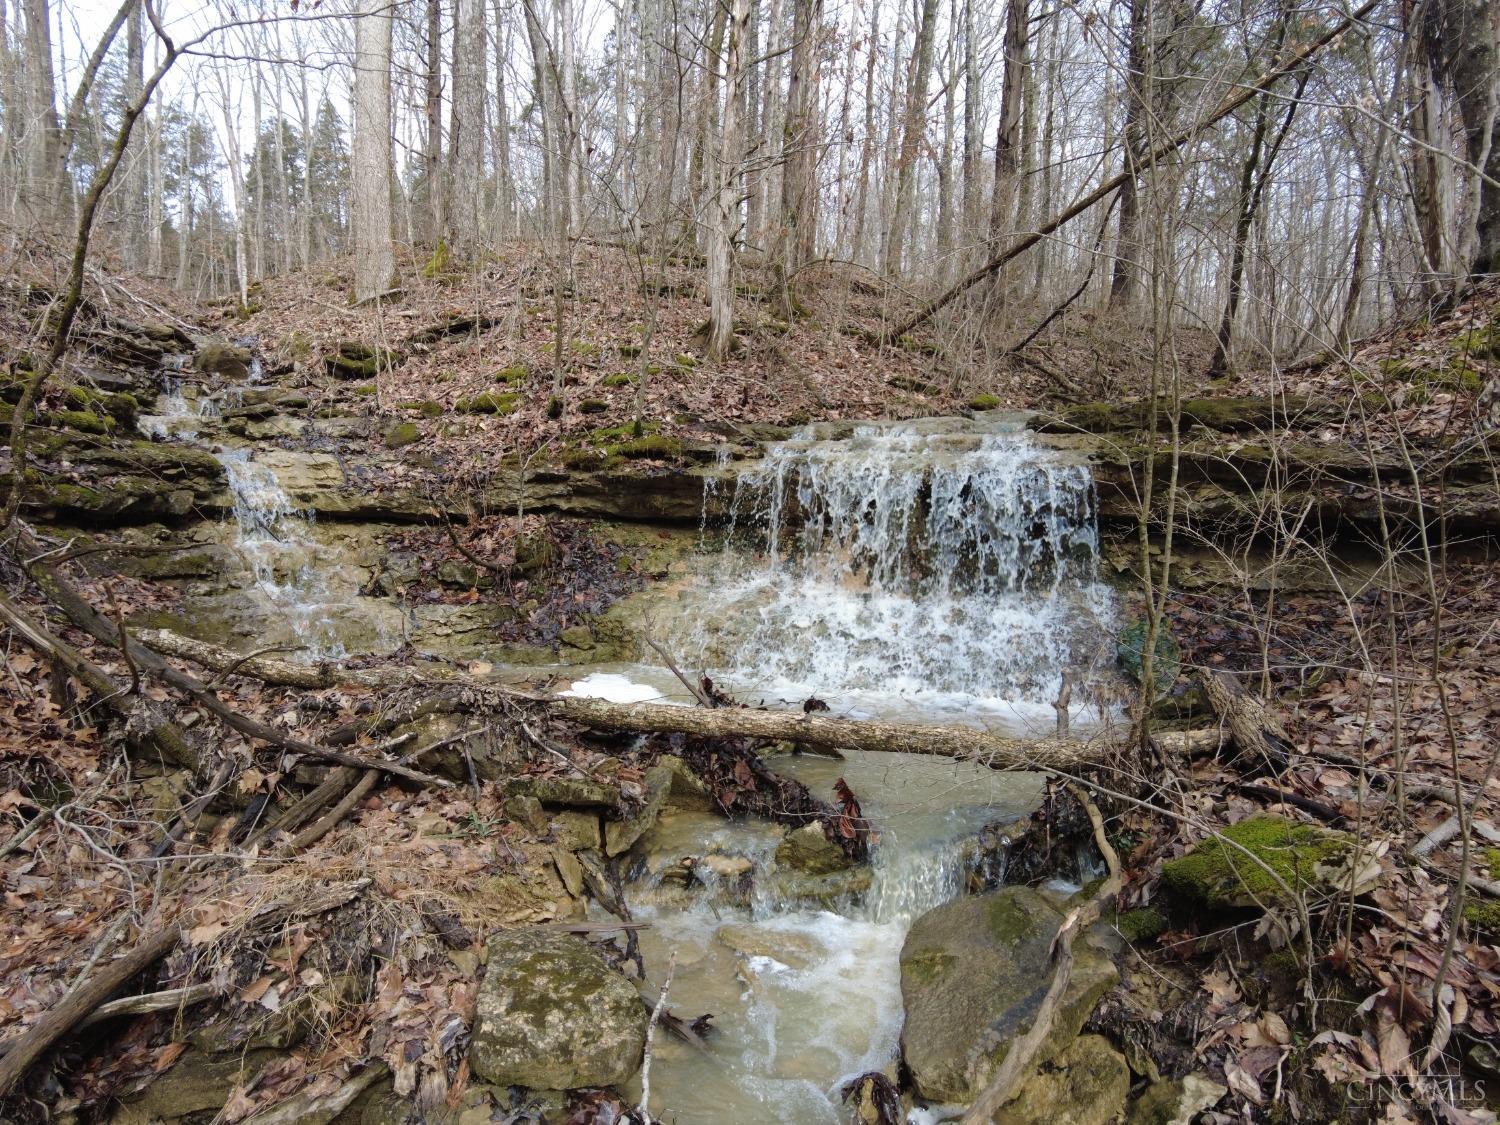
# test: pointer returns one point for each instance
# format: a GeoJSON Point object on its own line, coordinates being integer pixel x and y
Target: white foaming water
{"type": "Point", "coordinates": [272, 535]}
{"type": "Point", "coordinates": [953, 571]}
{"type": "Point", "coordinates": [177, 416]}
{"type": "Point", "coordinates": [807, 998]}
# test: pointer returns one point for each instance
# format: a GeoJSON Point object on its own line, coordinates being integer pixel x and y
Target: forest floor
{"type": "Point", "coordinates": [275, 938]}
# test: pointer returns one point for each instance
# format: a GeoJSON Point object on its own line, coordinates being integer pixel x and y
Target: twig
{"type": "Point", "coordinates": [38, 822]}
{"type": "Point", "coordinates": [661, 1006]}
{"type": "Point", "coordinates": [1436, 838]}
{"type": "Point", "coordinates": [320, 828]}
{"type": "Point", "coordinates": [703, 698]}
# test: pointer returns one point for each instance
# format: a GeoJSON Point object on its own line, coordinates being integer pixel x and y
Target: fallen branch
{"type": "Point", "coordinates": [1257, 734]}
{"type": "Point", "coordinates": [59, 1020]}
{"type": "Point", "coordinates": [171, 999]}
{"type": "Point", "coordinates": [661, 1005]}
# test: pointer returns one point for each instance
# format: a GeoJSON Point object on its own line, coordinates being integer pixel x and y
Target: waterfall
{"type": "Point", "coordinates": [274, 538]}
{"type": "Point", "coordinates": [902, 564]}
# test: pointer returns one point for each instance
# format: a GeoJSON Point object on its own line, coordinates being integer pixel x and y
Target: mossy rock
{"type": "Point", "coordinates": [425, 407]}
{"type": "Point", "coordinates": [490, 402]}
{"type": "Point", "coordinates": [1483, 914]}
{"type": "Point", "coordinates": [1141, 924]}
{"type": "Point", "coordinates": [653, 447]}
{"type": "Point", "coordinates": [356, 360]}
{"type": "Point", "coordinates": [985, 401]}
{"type": "Point", "coordinates": [514, 375]}
{"type": "Point", "coordinates": [219, 357]}
{"type": "Point", "coordinates": [911, 343]}
{"type": "Point", "coordinates": [630, 351]}
{"type": "Point", "coordinates": [403, 433]}
{"type": "Point", "coordinates": [84, 421]}
{"type": "Point", "coordinates": [1482, 340]}
{"type": "Point", "coordinates": [913, 384]}
{"type": "Point", "coordinates": [1166, 658]}
{"type": "Point", "coordinates": [1217, 874]}
{"type": "Point", "coordinates": [122, 407]}
{"type": "Point", "coordinates": [592, 406]}
{"type": "Point", "coordinates": [364, 390]}
{"type": "Point", "coordinates": [554, 408]}
{"type": "Point", "coordinates": [683, 359]}
{"type": "Point", "coordinates": [620, 379]}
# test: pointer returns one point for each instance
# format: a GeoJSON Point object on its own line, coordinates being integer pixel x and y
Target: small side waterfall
{"type": "Point", "coordinates": [273, 537]}
{"type": "Point", "coordinates": [903, 564]}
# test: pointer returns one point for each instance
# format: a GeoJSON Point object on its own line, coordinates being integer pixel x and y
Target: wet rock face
{"type": "Point", "coordinates": [553, 1016]}
{"type": "Point", "coordinates": [219, 357]}
{"type": "Point", "coordinates": [973, 974]}
{"type": "Point", "coordinates": [809, 851]}
{"type": "Point", "coordinates": [1086, 1084]}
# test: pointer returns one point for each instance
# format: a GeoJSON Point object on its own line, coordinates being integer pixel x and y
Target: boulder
{"type": "Point", "coordinates": [1175, 1103]}
{"type": "Point", "coordinates": [809, 851]}
{"type": "Point", "coordinates": [220, 357]}
{"type": "Point", "coordinates": [973, 974]}
{"type": "Point", "coordinates": [195, 1083]}
{"type": "Point", "coordinates": [570, 792]}
{"type": "Point", "coordinates": [1086, 1084]}
{"type": "Point", "coordinates": [552, 1015]}
{"type": "Point", "coordinates": [1221, 874]}
{"type": "Point", "coordinates": [619, 835]}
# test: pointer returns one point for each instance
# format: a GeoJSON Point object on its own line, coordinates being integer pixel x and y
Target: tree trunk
{"type": "Point", "coordinates": [44, 180]}
{"type": "Point", "coordinates": [913, 127]}
{"type": "Point", "coordinates": [720, 250]}
{"type": "Point", "coordinates": [432, 155]}
{"type": "Point", "coordinates": [466, 174]}
{"type": "Point", "coordinates": [374, 254]}
{"type": "Point", "coordinates": [1126, 279]}
{"type": "Point", "coordinates": [1464, 39]}
{"type": "Point", "coordinates": [995, 750]}
{"type": "Point", "coordinates": [799, 192]}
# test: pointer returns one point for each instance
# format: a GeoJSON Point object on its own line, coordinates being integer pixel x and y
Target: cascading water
{"type": "Point", "coordinates": [902, 566]}
{"type": "Point", "coordinates": [935, 572]}
{"type": "Point", "coordinates": [273, 537]}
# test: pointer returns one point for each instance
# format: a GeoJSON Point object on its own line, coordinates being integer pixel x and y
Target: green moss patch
{"type": "Point", "coordinates": [514, 375]}
{"type": "Point", "coordinates": [123, 408]}
{"type": "Point", "coordinates": [1219, 875]}
{"type": "Point", "coordinates": [403, 433]}
{"type": "Point", "coordinates": [619, 379]}
{"type": "Point", "coordinates": [592, 406]}
{"type": "Point", "coordinates": [425, 407]}
{"type": "Point", "coordinates": [1484, 915]}
{"type": "Point", "coordinates": [985, 401]}
{"type": "Point", "coordinates": [84, 421]}
{"type": "Point", "coordinates": [1139, 925]}
{"type": "Point", "coordinates": [490, 402]}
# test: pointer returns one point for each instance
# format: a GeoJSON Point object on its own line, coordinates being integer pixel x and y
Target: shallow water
{"type": "Point", "coordinates": [810, 998]}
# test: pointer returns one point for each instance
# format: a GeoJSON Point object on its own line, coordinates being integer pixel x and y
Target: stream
{"type": "Point", "coordinates": [930, 572]}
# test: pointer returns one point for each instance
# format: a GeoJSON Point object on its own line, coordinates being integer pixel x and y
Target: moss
{"type": "Point", "coordinates": [682, 359]}
{"type": "Point", "coordinates": [1492, 861]}
{"type": "Point", "coordinates": [403, 433]}
{"type": "Point", "coordinates": [592, 406]}
{"type": "Point", "coordinates": [984, 401]}
{"type": "Point", "coordinates": [363, 389]}
{"type": "Point", "coordinates": [1166, 659]}
{"type": "Point", "coordinates": [630, 351]}
{"type": "Point", "coordinates": [656, 447]}
{"type": "Point", "coordinates": [298, 344]}
{"type": "Point", "coordinates": [613, 435]}
{"type": "Point", "coordinates": [924, 968]}
{"type": "Point", "coordinates": [1219, 875]}
{"type": "Point", "coordinates": [1481, 340]}
{"type": "Point", "coordinates": [490, 402]}
{"type": "Point", "coordinates": [554, 408]}
{"type": "Point", "coordinates": [1483, 915]}
{"type": "Point", "coordinates": [84, 421]}
{"type": "Point", "coordinates": [620, 379]}
{"type": "Point", "coordinates": [514, 375]}
{"type": "Point", "coordinates": [356, 360]}
{"type": "Point", "coordinates": [1141, 924]}
{"type": "Point", "coordinates": [438, 264]}
{"type": "Point", "coordinates": [425, 407]}
{"type": "Point", "coordinates": [123, 408]}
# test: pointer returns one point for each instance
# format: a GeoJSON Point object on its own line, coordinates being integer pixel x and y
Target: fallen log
{"type": "Point", "coordinates": [1259, 739]}
{"type": "Point", "coordinates": [998, 751]}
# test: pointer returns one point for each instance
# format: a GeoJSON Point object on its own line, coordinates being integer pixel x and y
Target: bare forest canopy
{"type": "Point", "coordinates": [1356, 172]}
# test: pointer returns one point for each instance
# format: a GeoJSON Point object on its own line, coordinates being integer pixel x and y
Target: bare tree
{"type": "Point", "coordinates": [375, 258]}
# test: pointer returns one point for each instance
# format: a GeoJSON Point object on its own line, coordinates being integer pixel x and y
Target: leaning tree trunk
{"type": "Point", "coordinates": [374, 254]}
{"type": "Point", "coordinates": [1464, 39]}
